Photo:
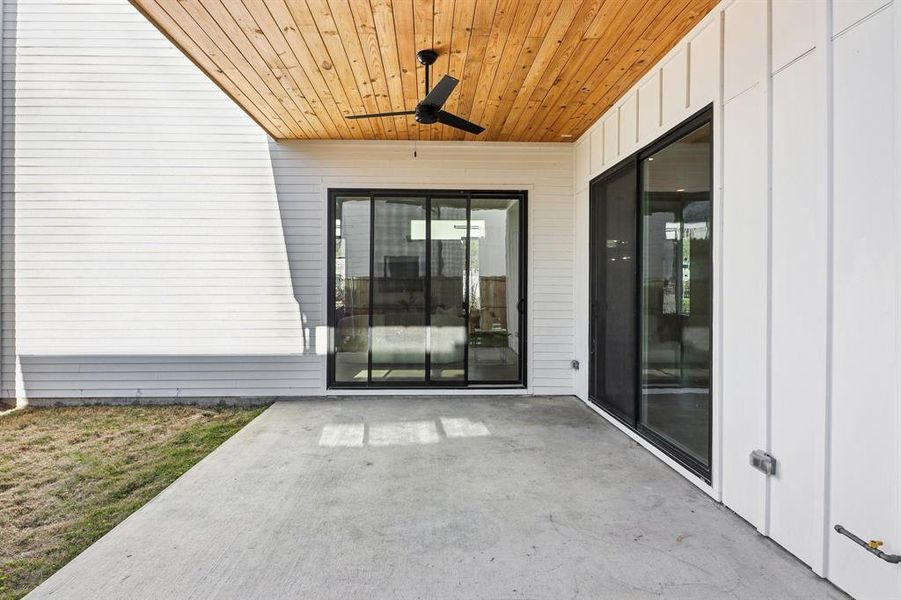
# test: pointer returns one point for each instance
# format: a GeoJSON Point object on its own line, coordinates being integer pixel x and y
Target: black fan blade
{"type": "Point", "coordinates": [459, 122]}
{"type": "Point", "coordinates": [388, 114]}
{"type": "Point", "coordinates": [441, 92]}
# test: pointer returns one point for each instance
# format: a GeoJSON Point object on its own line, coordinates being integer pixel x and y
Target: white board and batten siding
{"type": "Point", "coordinates": [164, 248]}
{"type": "Point", "coordinates": [807, 205]}
{"type": "Point", "coordinates": [865, 365]}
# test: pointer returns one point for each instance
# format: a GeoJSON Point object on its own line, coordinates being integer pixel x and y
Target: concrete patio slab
{"type": "Point", "coordinates": [470, 498]}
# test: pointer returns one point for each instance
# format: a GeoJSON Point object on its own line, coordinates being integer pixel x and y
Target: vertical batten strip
{"type": "Point", "coordinates": [825, 48]}
{"type": "Point", "coordinates": [767, 433]}
{"type": "Point", "coordinates": [719, 256]}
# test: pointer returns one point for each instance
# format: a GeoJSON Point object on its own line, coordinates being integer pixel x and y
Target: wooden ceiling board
{"type": "Point", "coordinates": [507, 65]}
{"type": "Point", "coordinates": [529, 70]}
{"type": "Point", "coordinates": [498, 36]}
{"type": "Point", "coordinates": [243, 87]}
{"type": "Point", "coordinates": [551, 41]}
{"type": "Point", "coordinates": [482, 22]}
{"type": "Point", "coordinates": [302, 34]}
{"type": "Point", "coordinates": [298, 69]}
{"type": "Point", "coordinates": [573, 39]}
{"type": "Point", "coordinates": [619, 16]}
{"type": "Point", "coordinates": [404, 33]}
{"type": "Point", "coordinates": [363, 22]}
{"type": "Point", "coordinates": [345, 54]}
{"type": "Point", "coordinates": [456, 58]}
{"type": "Point", "coordinates": [442, 40]}
{"type": "Point", "coordinates": [630, 69]}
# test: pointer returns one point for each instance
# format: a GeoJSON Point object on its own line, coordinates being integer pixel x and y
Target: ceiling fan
{"type": "Point", "coordinates": [429, 110]}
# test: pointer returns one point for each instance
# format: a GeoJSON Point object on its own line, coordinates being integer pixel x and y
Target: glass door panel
{"type": "Point", "coordinates": [447, 299]}
{"type": "Point", "coordinates": [351, 337]}
{"type": "Point", "coordinates": [613, 320]}
{"type": "Point", "coordinates": [676, 307]}
{"type": "Point", "coordinates": [425, 288]}
{"type": "Point", "coordinates": [494, 319]}
{"type": "Point", "coordinates": [398, 324]}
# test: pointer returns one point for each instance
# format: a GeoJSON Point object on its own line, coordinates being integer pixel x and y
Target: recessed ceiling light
{"type": "Point", "coordinates": [566, 135]}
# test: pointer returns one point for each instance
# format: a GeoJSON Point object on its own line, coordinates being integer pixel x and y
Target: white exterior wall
{"type": "Point", "coordinates": [145, 215]}
{"type": "Point", "coordinates": [7, 213]}
{"type": "Point", "coordinates": [165, 248]}
{"type": "Point", "coordinates": [807, 261]}
{"type": "Point", "coordinates": [304, 172]}
{"type": "Point", "coordinates": [155, 244]}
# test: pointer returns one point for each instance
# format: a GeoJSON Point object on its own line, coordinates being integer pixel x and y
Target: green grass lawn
{"type": "Point", "coordinates": [69, 475]}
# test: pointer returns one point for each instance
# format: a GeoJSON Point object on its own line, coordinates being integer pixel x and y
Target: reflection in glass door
{"type": "Point", "coordinates": [352, 227]}
{"type": "Point", "coordinates": [676, 294]}
{"type": "Point", "coordinates": [651, 293]}
{"type": "Point", "coordinates": [397, 326]}
{"type": "Point", "coordinates": [426, 288]}
{"type": "Point", "coordinates": [494, 290]}
{"type": "Point", "coordinates": [447, 307]}
{"type": "Point", "coordinates": [613, 267]}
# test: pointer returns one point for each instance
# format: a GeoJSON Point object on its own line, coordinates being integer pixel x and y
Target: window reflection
{"type": "Point", "coordinates": [447, 341]}
{"type": "Point", "coordinates": [351, 289]}
{"type": "Point", "coordinates": [676, 293]}
{"type": "Point", "coordinates": [398, 291]}
{"type": "Point", "coordinates": [494, 320]}
{"type": "Point", "coordinates": [613, 295]}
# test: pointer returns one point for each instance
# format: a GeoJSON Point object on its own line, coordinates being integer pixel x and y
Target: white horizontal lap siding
{"type": "Point", "coordinates": [7, 208]}
{"type": "Point", "coordinates": [304, 171]}
{"type": "Point", "coordinates": [87, 377]}
{"type": "Point", "coordinates": [149, 253]}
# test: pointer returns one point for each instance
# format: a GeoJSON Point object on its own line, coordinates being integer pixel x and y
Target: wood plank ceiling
{"type": "Point", "coordinates": [529, 70]}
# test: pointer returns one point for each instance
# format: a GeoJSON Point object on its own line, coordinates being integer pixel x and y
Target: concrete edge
{"type": "Point", "coordinates": [56, 575]}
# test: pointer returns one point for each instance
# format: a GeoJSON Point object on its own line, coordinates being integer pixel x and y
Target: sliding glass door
{"type": "Point", "coordinates": [496, 295]}
{"type": "Point", "coordinates": [448, 292]}
{"type": "Point", "coordinates": [613, 267]}
{"type": "Point", "coordinates": [426, 288]}
{"type": "Point", "coordinates": [651, 292]}
{"type": "Point", "coordinates": [676, 311]}
{"type": "Point", "coordinates": [398, 321]}
{"type": "Point", "coordinates": [352, 231]}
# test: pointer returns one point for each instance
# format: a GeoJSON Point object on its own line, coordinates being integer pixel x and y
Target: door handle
{"type": "Point", "coordinates": [521, 306]}
{"type": "Point", "coordinates": [872, 546]}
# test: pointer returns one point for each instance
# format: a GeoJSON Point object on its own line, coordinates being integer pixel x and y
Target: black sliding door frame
{"type": "Point", "coordinates": [521, 196]}
{"type": "Point", "coordinates": [597, 275]}
{"type": "Point", "coordinates": [692, 464]}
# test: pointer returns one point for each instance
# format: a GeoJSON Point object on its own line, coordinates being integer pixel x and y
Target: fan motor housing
{"type": "Point", "coordinates": [426, 114]}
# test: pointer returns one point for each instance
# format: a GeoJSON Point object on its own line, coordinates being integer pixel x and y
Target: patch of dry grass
{"type": "Point", "coordinates": [69, 475]}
